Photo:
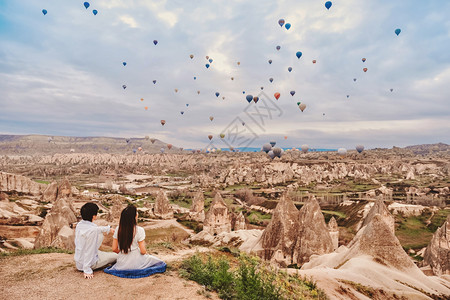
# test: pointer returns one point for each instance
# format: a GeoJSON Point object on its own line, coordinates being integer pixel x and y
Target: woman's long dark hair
{"type": "Point", "coordinates": [127, 225]}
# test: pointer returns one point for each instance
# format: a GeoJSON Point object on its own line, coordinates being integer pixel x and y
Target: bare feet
{"type": "Point", "coordinates": [88, 276]}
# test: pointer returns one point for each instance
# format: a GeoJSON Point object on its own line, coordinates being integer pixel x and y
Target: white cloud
{"type": "Point", "coordinates": [128, 20]}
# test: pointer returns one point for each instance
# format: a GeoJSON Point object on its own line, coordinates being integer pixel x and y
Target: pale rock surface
{"type": "Point", "coordinates": [217, 219]}
{"type": "Point", "coordinates": [162, 208]}
{"type": "Point", "coordinates": [118, 204]}
{"type": "Point", "coordinates": [56, 231]}
{"type": "Point", "coordinates": [334, 232]}
{"type": "Point", "coordinates": [380, 208]}
{"type": "Point", "coordinates": [197, 212]}
{"type": "Point", "coordinates": [437, 253]}
{"type": "Point", "coordinates": [57, 190]}
{"type": "Point", "coordinates": [21, 184]}
{"type": "Point", "coordinates": [238, 221]}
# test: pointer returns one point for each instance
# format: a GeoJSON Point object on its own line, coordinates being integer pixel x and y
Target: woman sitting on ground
{"type": "Point", "coordinates": [129, 243]}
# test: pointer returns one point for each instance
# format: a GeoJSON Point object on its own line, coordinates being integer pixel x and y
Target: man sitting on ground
{"type": "Point", "coordinates": [88, 239]}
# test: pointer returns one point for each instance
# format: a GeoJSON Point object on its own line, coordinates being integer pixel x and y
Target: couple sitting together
{"type": "Point", "coordinates": [130, 255]}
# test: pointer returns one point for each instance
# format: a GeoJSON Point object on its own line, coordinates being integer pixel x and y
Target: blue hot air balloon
{"type": "Point", "coordinates": [95, 12]}
{"type": "Point", "coordinates": [249, 98]}
{"type": "Point", "coordinates": [292, 93]}
{"type": "Point", "coordinates": [124, 86]}
{"type": "Point", "coordinates": [354, 79]}
{"type": "Point", "coordinates": [328, 4]}
{"type": "Point", "coordinates": [243, 92]}
{"type": "Point", "coordinates": [181, 112]}
{"type": "Point", "coordinates": [154, 81]}
{"type": "Point", "coordinates": [287, 26]}
{"type": "Point", "coordinates": [124, 63]}
{"type": "Point", "coordinates": [271, 79]}
{"type": "Point", "coordinates": [298, 54]}
{"type": "Point", "coordinates": [397, 31]}
{"type": "Point", "coordinates": [86, 4]}
{"type": "Point", "coordinates": [187, 104]}
{"type": "Point", "coordinates": [210, 60]}
{"type": "Point", "coordinates": [217, 94]}
{"type": "Point", "coordinates": [44, 11]}
{"type": "Point", "coordinates": [195, 77]}
{"type": "Point", "coordinates": [348, 96]}
{"type": "Point", "coordinates": [290, 69]}
{"type": "Point", "coordinates": [278, 48]}
{"type": "Point", "coordinates": [270, 61]}
{"type": "Point", "coordinates": [281, 22]}
{"type": "Point", "coordinates": [155, 42]}
{"type": "Point", "coordinates": [207, 66]}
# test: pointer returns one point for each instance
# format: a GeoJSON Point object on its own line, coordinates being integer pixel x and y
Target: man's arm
{"type": "Point", "coordinates": [90, 252]}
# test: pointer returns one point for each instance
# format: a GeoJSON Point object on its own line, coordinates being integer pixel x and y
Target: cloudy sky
{"type": "Point", "coordinates": [62, 73]}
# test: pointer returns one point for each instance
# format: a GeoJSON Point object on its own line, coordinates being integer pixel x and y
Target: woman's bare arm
{"type": "Point", "coordinates": [142, 247]}
{"type": "Point", "coordinates": [115, 246]}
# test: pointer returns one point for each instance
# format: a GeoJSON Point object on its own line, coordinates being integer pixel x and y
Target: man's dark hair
{"type": "Point", "coordinates": [88, 211]}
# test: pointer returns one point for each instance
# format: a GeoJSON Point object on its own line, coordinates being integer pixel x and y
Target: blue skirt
{"type": "Point", "coordinates": [158, 268]}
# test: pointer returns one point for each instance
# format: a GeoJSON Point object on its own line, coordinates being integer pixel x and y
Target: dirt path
{"type": "Point", "coordinates": [53, 276]}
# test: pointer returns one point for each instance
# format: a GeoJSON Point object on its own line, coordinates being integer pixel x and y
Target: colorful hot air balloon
{"type": "Point", "coordinates": [176, 90]}
{"type": "Point", "coordinates": [210, 137]}
{"type": "Point", "coordinates": [195, 78]}
{"type": "Point", "coordinates": [223, 97]}
{"type": "Point", "coordinates": [217, 94]}
{"type": "Point", "coordinates": [354, 79]}
{"type": "Point", "coordinates": [287, 26]}
{"type": "Point", "coordinates": [169, 146]}
{"type": "Point", "coordinates": [124, 63]}
{"type": "Point", "coordinates": [191, 56]}
{"type": "Point", "coordinates": [211, 118]}
{"type": "Point", "coordinates": [44, 11]}
{"type": "Point", "coordinates": [277, 151]}
{"type": "Point", "coordinates": [272, 143]}
{"type": "Point", "coordinates": [154, 81]}
{"type": "Point", "coordinates": [86, 4]}
{"type": "Point", "coordinates": [163, 122]}
{"type": "Point", "coordinates": [348, 96]}
{"type": "Point", "coordinates": [314, 61]}
{"type": "Point", "coordinates": [290, 69]}
{"type": "Point", "coordinates": [359, 148]}
{"type": "Point", "coordinates": [198, 92]}
{"type": "Point", "coordinates": [146, 108]}
{"type": "Point", "coordinates": [302, 106]}
{"type": "Point", "coordinates": [391, 90]}
{"type": "Point", "coordinates": [207, 57]}
{"type": "Point", "coordinates": [222, 135]}
{"type": "Point", "coordinates": [266, 147]}
{"type": "Point", "coordinates": [328, 4]}
{"type": "Point", "coordinates": [155, 42]}
{"type": "Point", "coordinates": [210, 60]}
{"type": "Point", "coordinates": [298, 54]}
{"type": "Point", "coordinates": [305, 148]}
{"type": "Point", "coordinates": [271, 79]}
{"type": "Point", "coordinates": [271, 154]}
{"type": "Point", "coordinates": [182, 112]}
{"type": "Point", "coordinates": [298, 103]}
{"type": "Point", "coordinates": [255, 99]}
{"type": "Point", "coordinates": [124, 86]}
{"type": "Point", "coordinates": [285, 137]}
{"type": "Point", "coordinates": [281, 22]}
{"type": "Point", "coordinates": [278, 48]}
{"type": "Point", "coordinates": [162, 150]}
{"type": "Point", "coordinates": [232, 78]}
{"type": "Point", "coordinates": [207, 66]}
{"type": "Point", "coordinates": [342, 151]}
{"type": "Point", "coordinates": [363, 59]}
{"type": "Point", "coordinates": [270, 61]}
{"type": "Point", "coordinates": [397, 31]}
{"type": "Point", "coordinates": [187, 104]}
{"type": "Point", "coordinates": [142, 99]}
{"type": "Point", "coordinates": [95, 12]}
{"type": "Point", "coordinates": [365, 70]}
{"type": "Point", "coordinates": [292, 93]}
{"type": "Point", "coordinates": [276, 95]}
{"type": "Point", "coordinates": [152, 140]}
{"type": "Point", "coordinates": [249, 98]}
{"type": "Point", "coordinates": [238, 63]}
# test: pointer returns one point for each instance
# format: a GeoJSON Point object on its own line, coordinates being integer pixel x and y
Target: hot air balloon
{"type": "Point", "coordinates": [277, 95]}
{"type": "Point", "coordinates": [397, 31]}
{"type": "Point", "coordinates": [162, 150]}
{"type": "Point", "coordinates": [298, 54]}
{"type": "Point", "coordinates": [305, 148]}
{"type": "Point", "coordinates": [281, 22]}
{"type": "Point", "coordinates": [211, 118]}
{"type": "Point", "coordinates": [287, 26]}
{"type": "Point", "coordinates": [152, 140]}
{"type": "Point", "coordinates": [328, 4]}
{"type": "Point", "coordinates": [127, 140]}
{"type": "Point", "coordinates": [292, 93]}
{"type": "Point", "coordinates": [187, 104]}
{"type": "Point", "coordinates": [391, 90]}
{"type": "Point", "coordinates": [262, 88]}
{"type": "Point", "coordinates": [207, 57]}
{"type": "Point", "coordinates": [154, 81]}
{"type": "Point", "coordinates": [270, 61]}
{"type": "Point", "coordinates": [249, 98]}
{"type": "Point", "coordinates": [298, 103]}
{"type": "Point", "coordinates": [272, 143]}
{"type": "Point", "coordinates": [277, 151]}
{"type": "Point", "coordinates": [124, 63]}
{"type": "Point", "coordinates": [210, 137]}
{"type": "Point", "coordinates": [86, 4]}
{"type": "Point", "coordinates": [207, 66]}
{"type": "Point", "coordinates": [290, 69]}
{"type": "Point", "coordinates": [232, 78]}
{"type": "Point", "coordinates": [182, 112]}
{"type": "Point", "coordinates": [348, 96]}
{"type": "Point", "coordinates": [359, 148]}
{"type": "Point", "coordinates": [363, 59]}
{"type": "Point", "coordinates": [278, 48]}
{"type": "Point", "coordinates": [243, 92]}
{"type": "Point", "coordinates": [146, 107]}
{"type": "Point", "coordinates": [142, 99]}
{"type": "Point", "coordinates": [342, 151]}
{"type": "Point", "coordinates": [222, 135]}
{"type": "Point", "coordinates": [223, 97]}
{"type": "Point", "coordinates": [195, 78]}
{"type": "Point", "coordinates": [169, 146]}
{"type": "Point", "coordinates": [155, 42]}
{"type": "Point", "coordinates": [95, 12]}
{"type": "Point", "coordinates": [354, 79]}
{"type": "Point", "coordinates": [365, 70]}
{"type": "Point", "coordinates": [217, 94]}
{"type": "Point", "coordinates": [271, 154]}
{"type": "Point", "coordinates": [124, 86]}
{"type": "Point", "coordinates": [44, 11]}
{"type": "Point", "coordinates": [314, 61]}
{"type": "Point", "coordinates": [266, 147]}
{"type": "Point", "coordinates": [191, 56]}
{"type": "Point", "coordinates": [210, 60]}
{"type": "Point", "coordinates": [238, 63]}
{"type": "Point", "coordinates": [163, 122]}
{"type": "Point", "coordinates": [271, 79]}
{"type": "Point", "coordinates": [147, 137]}
{"type": "Point", "coordinates": [140, 148]}
{"type": "Point", "coordinates": [50, 139]}
{"type": "Point", "coordinates": [285, 137]}
{"type": "Point", "coordinates": [243, 123]}
{"type": "Point", "coordinates": [302, 106]}
{"type": "Point", "coordinates": [198, 92]}
{"type": "Point", "coordinates": [255, 99]}
{"type": "Point", "coordinates": [134, 150]}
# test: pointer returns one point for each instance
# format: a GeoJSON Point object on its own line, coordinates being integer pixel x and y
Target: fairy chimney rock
{"type": "Point", "coordinates": [380, 208]}
{"type": "Point", "coordinates": [197, 211]}
{"type": "Point", "coordinates": [118, 204]}
{"type": "Point", "coordinates": [238, 221]}
{"type": "Point", "coordinates": [279, 237]}
{"type": "Point", "coordinates": [217, 219]}
{"type": "Point", "coordinates": [437, 253]}
{"type": "Point", "coordinates": [334, 232]}
{"type": "Point", "coordinates": [313, 237]}
{"type": "Point", "coordinates": [56, 231]}
{"type": "Point", "coordinates": [162, 208]}
{"type": "Point", "coordinates": [57, 190]}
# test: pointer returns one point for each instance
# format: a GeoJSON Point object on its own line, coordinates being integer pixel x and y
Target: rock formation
{"type": "Point", "coordinates": [217, 219]}
{"type": "Point", "coordinates": [313, 236]}
{"type": "Point", "coordinates": [57, 190]}
{"type": "Point", "coordinates": [118, 204]}
{"type": "Point", "coordinates": [197, 211]}
{"type": "Point", "coordinates": [238, 221]}
{"type": "Point", "coordinates": [17, 183]}
{"type": "Point", "coordinates": [56, 231]}
{"type": "Point", "coordinates": [437, 253]}
{"type": "Point", "coordinates": [3, 197]}
{"type": "Point", "coordinates": [334, 232]}
{"type": "Point", "coordinates": [381, 209]}
{"type": "Point", "coordinates": [162, 208]}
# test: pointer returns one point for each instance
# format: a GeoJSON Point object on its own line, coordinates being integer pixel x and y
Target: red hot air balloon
{"type": "Point", "coordinates": [365, 70]}
{"type": "Point", "coordinates": [210, 137]}
{"type": "Point", "coordinates": [277, 95]}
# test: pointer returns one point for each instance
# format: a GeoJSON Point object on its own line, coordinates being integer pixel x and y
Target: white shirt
{"type": "Point", "coordinates": [86, 244]}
